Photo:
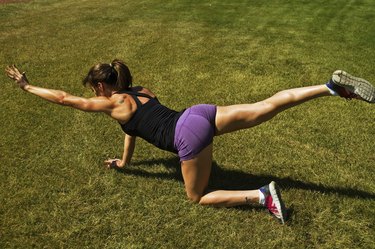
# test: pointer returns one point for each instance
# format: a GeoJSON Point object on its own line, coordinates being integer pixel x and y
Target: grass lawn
{"type": "Point", "coordinates": [54, 191]}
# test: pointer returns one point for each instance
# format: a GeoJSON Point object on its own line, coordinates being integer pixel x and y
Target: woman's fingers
{"type": "Point", "coordinates": [9, 71]}
{"type": "Point", "coordinates": [13, 72]}
{"type": "Point", "coordinates": [108, 162]}
{"type": "Point", "coordinates": [111, 163]}
{"type": "Point", "coordinates": [15, 68]}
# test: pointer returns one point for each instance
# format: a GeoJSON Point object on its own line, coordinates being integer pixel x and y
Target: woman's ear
{"type": "Point", "coordinates": [101, 87]}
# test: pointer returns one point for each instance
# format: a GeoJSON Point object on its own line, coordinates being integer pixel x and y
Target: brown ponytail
{"type": "Point", "coordinates": [124, 77]}
{"type": "Point", "coordinates": [116, 74]}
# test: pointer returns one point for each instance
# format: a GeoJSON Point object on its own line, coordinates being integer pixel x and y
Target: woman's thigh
{"type": "Point", "coordinates": [236, 117]}
{"type": "Point", "coordinates": [196, 173]}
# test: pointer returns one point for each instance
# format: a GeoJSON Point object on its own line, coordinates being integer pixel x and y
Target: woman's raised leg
{"type": "Point", "coordinates": [236, 117]}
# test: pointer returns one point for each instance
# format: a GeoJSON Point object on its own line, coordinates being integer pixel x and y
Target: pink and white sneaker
{"type": "Point", "coordinates": [273, 201]}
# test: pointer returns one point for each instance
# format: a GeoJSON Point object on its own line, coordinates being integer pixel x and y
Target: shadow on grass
{"type": "Point", "coordinates": [228, 179]}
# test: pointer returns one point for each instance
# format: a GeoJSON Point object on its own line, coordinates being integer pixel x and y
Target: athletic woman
{"type": "Point", "coordinates": [190, 133]}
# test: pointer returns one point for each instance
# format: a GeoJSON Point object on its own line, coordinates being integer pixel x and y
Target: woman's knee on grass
{"type": "Point", "coordinates": [194, 197]}
{"type": "Point", "coordinates": [202, 198]}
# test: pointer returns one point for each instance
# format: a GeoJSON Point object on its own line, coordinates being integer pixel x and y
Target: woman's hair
{"type": "Point", "coordinates": [115, 74]}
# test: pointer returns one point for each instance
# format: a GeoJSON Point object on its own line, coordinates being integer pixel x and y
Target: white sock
{"type": "Point", "coordinates": [262, 198]}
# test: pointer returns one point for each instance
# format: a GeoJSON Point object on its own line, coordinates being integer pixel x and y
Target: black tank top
{"type": "Point", "coordinates": [153, 122]}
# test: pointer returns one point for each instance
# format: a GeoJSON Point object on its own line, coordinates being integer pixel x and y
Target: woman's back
{"type": "Point", "coordinates": [151, 120]}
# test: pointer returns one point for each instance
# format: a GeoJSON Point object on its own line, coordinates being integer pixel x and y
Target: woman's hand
{"type": "Point", "coordinates": [114, 163]}
{"type": "Point", "coordinates": [20, 78]}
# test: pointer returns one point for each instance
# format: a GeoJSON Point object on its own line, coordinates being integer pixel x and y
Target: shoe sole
{"type": "Point", "coordinates": [359, 86]}
{"type": "Point", "coordinates": [275, 193]}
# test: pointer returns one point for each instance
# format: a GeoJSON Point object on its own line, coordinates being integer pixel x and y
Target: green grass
{"type": "Point", "coordinates": [54, 192]}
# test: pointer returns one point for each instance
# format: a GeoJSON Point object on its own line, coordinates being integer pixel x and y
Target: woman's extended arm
{"type": "Point", "coordinates": [96, 104]}
{"type": "Point", "coordinates": [129, 145]}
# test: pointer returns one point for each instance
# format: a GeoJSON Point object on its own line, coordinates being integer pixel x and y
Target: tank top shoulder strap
{"type": "Point", "coordinates": [135, 96]}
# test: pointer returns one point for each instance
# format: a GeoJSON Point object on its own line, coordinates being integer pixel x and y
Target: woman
{"type": "Point", "coordinates": [189, 133]}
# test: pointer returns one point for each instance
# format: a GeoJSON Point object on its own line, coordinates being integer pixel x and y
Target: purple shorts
{"type": "Point", "coordinates": [195, 130]}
